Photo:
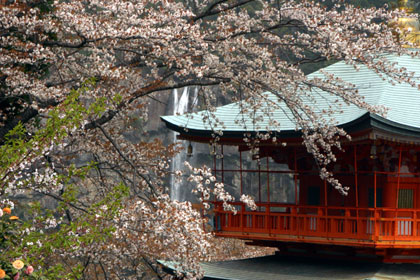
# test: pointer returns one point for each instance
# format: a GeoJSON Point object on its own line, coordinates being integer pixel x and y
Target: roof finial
{"type": "Point", "coordinates": [406, 5]}
{"type": "Point", "coordinates": [409, 26]}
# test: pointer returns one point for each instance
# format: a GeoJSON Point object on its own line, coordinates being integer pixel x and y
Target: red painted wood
{"type": "Point", "coordinates": [337, 220]}
{"type": "Point", "coordinates": [371, 227]}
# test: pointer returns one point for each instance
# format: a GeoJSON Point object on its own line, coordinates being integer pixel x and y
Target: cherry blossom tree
{"type": "Point", "coordinates": [72, 72]}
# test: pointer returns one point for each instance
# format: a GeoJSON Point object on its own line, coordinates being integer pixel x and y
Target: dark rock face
{"type": "Point", "coordinates": [144, 129]}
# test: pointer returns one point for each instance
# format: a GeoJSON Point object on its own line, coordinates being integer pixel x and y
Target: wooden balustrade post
{"type": "Point", "coordinates": [376, 229]}
{"type": "Point", "coordinates": [241, 220]}
{"type": "Point", "coordinates": [295, 177]}
{"type": "Point", "coordinates": [268, 183]}
{"type": "Point", "coordinates": [374, 186]}
{"type": "Point", "coordinates": [374, 208]}
{"type": "Point", "coordinates": [327, 221]}
{"type": "Point", "coordinates": [397, 196]}
{"type": "Point", "coordinates": [294, 220]}
{"type": "Point", "coordinates": [319, 220]}
{"type": "Point", "coordinates": [347, 222]}
{"type": "Point", "coordinates": [259, 182]}
{"type": "Point", "coordinates": [356, 190]}
{"type": "Point", "coordinates": [268, 198]}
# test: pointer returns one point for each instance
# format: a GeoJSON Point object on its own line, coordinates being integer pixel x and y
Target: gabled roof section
{"type": "Point", "coordinates": [402, 100]}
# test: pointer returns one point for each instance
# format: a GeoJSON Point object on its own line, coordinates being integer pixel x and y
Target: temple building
{"type": "Point", "coordinates": [300, 213]}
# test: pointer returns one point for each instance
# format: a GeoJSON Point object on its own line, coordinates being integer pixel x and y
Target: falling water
{"type": "Point", "coordinates": [180, 107]}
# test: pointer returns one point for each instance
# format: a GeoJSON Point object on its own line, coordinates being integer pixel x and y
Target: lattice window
{"type": "Point", "coordinates": [405, 198]}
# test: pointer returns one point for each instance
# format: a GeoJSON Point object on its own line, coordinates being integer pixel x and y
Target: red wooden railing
{"type": "Point", "coordinates": [337, 224]}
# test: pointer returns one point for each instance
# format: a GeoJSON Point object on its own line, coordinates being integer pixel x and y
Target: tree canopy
{"type": "Point", "coordinates": [72, 72]}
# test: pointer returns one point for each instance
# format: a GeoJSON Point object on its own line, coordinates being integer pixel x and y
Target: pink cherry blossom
{"type": "Point", "coordinates": [29, 270]}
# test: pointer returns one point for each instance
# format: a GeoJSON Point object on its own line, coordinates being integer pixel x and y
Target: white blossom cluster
{"type": "Point", "coordinates": [163, 229]}
{"type": "Point", "coordinates": [136, 48]}
{"type": "Point", "coordinates": [206, 185]}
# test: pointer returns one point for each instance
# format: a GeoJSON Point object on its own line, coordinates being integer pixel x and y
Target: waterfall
{"type": "Point", "coordinates": [180, 107]}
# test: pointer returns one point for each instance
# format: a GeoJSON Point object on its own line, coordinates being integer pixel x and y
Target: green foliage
{"type": "Point", "coordinates": [11, 236]}
{"type": "Point", "coordinates": [32, 240]}
{"type": "Point", "coordinates": [92, 227]}
{"type": "Point", "coordinates": [9, 229]}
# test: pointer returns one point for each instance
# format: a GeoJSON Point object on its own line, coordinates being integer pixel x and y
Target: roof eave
{"type": "Point", "coordinates": [363, 123]}
{"type": "Point", "coordinates": [394, 127]}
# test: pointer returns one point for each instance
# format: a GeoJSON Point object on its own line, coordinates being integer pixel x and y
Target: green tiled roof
{"type": "Point", "coordinates": [402, 100]}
